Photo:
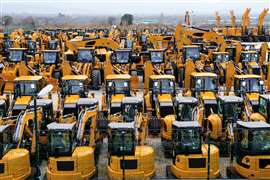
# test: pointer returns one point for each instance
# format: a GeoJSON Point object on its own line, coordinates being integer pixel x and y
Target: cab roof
{"type": "Point", "coordinates": [51, 50]}
{"type": "Point", "coordinates": [253, 124]}
{"type": "Point", "coordinates": [85, 48]}
{"type": "Point", "coordinates": [74, 77]}
{"type": "Point", "coordinates": [186, 100]}
{"type": "Point", "coordinates": [231, 99]}
{"type": "Point", "coordinates": [191, 46]}
{"type": "Point", "coordinates": [122, 125]}
{"type": "Point", "coordinates": [28, 78]}
{"type": "Point", "coordinates": [220, 53]}
{"type": "Point", "coordinates": [132, 100]}
{"type": "Point", "coordinates": [247, 76]}
{"type": "Point", "coordinates": [203, 74]}
{"type": "Point", "coordinates": [164, 76]}
{"type": "Point", "coordinates": [186, 124]}
{"type": "Point", "coordinates": [61, 126]}
{"type": "Point", "coordinates": [118, 76]}
{"type": "Point", "coordinates": [41, 102]}
{"type": "Point", "coordinates": [14, 49]}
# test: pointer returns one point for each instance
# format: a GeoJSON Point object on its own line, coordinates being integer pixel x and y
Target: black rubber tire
{"type": "Point", "coordinates": [96, 79]}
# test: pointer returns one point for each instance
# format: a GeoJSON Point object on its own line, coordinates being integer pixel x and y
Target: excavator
{"type": "Point", "coordinates": [252, 147]}
{"type": "Point", "coordinates": [158, 99]}
{"type": "Point", "coordinates": [128, 159]}
{"type": "Point", "coordinates": [184, 109]}
{"type": "Point", "coordinates": [190, 157]}
{"type": "Point", "coordinates": [72, 144]}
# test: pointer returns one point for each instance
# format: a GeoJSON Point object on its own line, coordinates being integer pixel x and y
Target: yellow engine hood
{"type": "Point", "coordinates": [71, 99]}
{"type": "Point", "coordinates": [164, 97]}
{"type": "Point", "coordinates": [117, 98]}
{"type": "Point", "coordinates": [208, 95]}
{"type": "Point", "coordinates": [23, 100]}
{"type": "Point", "coordinates": [253, 96]}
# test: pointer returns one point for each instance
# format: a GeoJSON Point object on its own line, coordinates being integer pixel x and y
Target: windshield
{"type": "Point", "coordinates": [5, 143]}
{"type": "Point", "coordinates": [50, 57]}
{"type": "Point", "coordinates": [122, 143]}
{"type": "Point", "coordinates": [163, 86]}
{"type": "Point", "coordinates": [85, 56]}
{"type": "Point", "coordinates": [129, 112]}
{"type": "Point", "coordinates": [188, 140]}
{"type": "Point", "coordinates": [250, 85]}
{"type": "Point", "coordinates": [15, 55]}
{"type": "Point", "coordinates": [60, 142]}
{"type": "Point", "coordinates": [257, 141]}
{"type": "Point", "coordinates": [221, 58]}
{"type": "Point", "coordinates": [25, 88]}
{"type": "Point", "coordinates": [250, 57]}
{"type": "Point", "coordinates": [73, 87]}
{"type": "Point", "coordinates": [263, 106]}
{"type": "Point", "coordinates": [185, 112]}
{"type": "Point", "coordinates": [157, 56]}
{"type": "Point", "coordinates": [122, 57]}
{"type": "Point", "coordinates": [206, 84]}
{"type": "Point", "coordinates": [118, 87]}
{"type": "Point", "coordinates": [31, 46]}
{"type": "Point", "coordinates": [192, 53]}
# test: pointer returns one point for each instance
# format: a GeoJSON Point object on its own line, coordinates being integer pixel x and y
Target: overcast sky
{"type": "Point", "coordinates": [140, 7]}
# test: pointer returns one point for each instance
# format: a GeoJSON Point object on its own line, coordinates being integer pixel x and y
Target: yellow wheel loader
{"type": "Point", "coordinates": [127, 159]}
{"type": "Point", "coordinates": [158, 99]}
{"type": "Point", "coordinates": [190, 157]}
{"type": "Point", "coordinates": [249, 62]}
{"type": "Point", "coordinates": [252, 147]}
{"type": "Point", "coordinates": [184, 109]}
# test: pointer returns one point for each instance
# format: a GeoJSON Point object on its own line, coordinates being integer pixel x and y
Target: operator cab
{"type": "Point", "coordinates": [185, 108]}
{"type": "Point", "coordinates": [53, 44]}
{"type": "Point", "coordinates": [203, 82]}
{"type": "Point", "coordinates": [249, 86]}
{"type": "Point", "coordinates": [32, 47]}
{"type": "Point", "coordinates": [162, 84]}
{"type": "Point", "coordinates": [61, 139]}
{"type": "Point", "coordinates": [121, 56]}
{"type": "Point", "coordinates": [253, 139]}
{"type": "Point", "coordinates": [130, 107]}
{"type": "Point", "coordinates": [191, 52]}
{"type": "Point", "coordinates": [122, 140]}
{"type": "Point", "coordinates": [250, 61]}
{"type": "Point", "coordinates": [85, 55]}
{"type": "Point", "coordinates": [73, 88]}
{"type": "Point", "coordinates": [25, 87]}
{"type": "Point", "coordinates": [157, 56]}
{"type": "Point", "coordinates": [51, 57]}
{"type": "Point", "coordinates": [5, 140]}
{"type": "Point", "coordinates": [186, 138]}
{"type": "Point", "coordinates": [220, 57]}
{"type": "Point", "coordinates": [47, 113]}
{"type": "Point", "coordinates": [230, 108]}
{"type": "Point", "coordinates": [17, 55]}
{"type": "Point", "coordinates": [118, 84]}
